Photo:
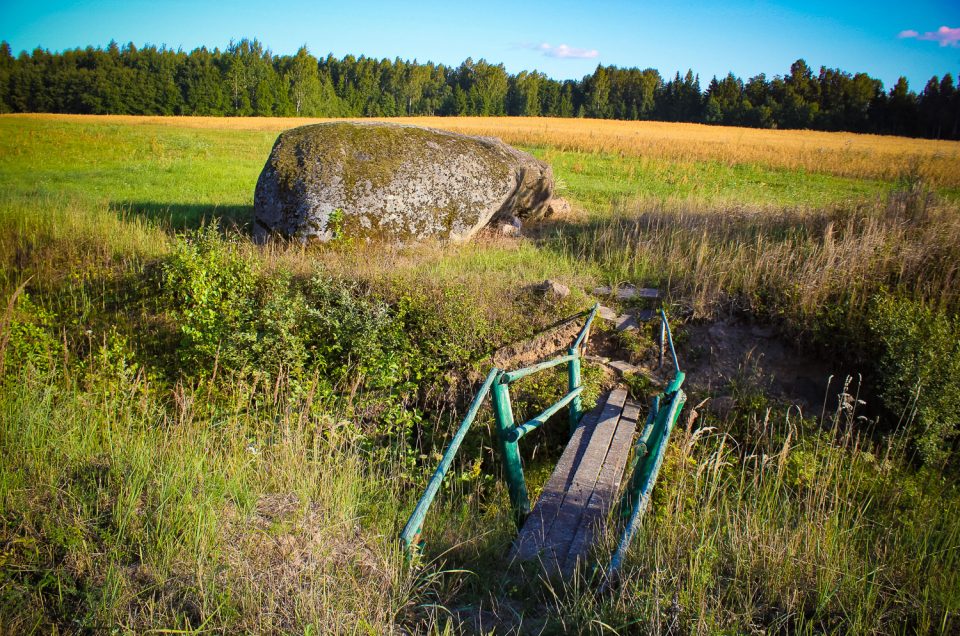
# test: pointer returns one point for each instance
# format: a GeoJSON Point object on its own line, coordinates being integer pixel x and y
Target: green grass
{"type": "Point", "coordinates": [181, 175]}
{"type": "Point", "coordinates": [160, 172]}
{"type": "Point", "coordinates": [123, 510]}
{"type": "Point", "coordinates": [153, 482]}
{"type": "Point", "coordinates": [595, 180]}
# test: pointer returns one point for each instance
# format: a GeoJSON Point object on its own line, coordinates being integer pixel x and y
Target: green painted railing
{"type": "Point", "coordinates": [411, 531]}
{"type": "Point", "coordinates": [497, 383]}
{"type": "Point", "coordinates": [648, 455]}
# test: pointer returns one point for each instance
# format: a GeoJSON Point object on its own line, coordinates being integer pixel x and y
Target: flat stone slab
{"type": "Point", "coordinates": [596, 359]}
{"type": "Point", "coordinates": [626, 322]}
{"type": "Point", "coordinates": [622, 366]}
{"type": "Point", "coordinates": [628, 292]}
{"type": "Point", "coordinates": [606, 313]}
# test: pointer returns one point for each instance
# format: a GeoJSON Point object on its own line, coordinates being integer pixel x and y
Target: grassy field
{"type": "Point", "coordinates": [200, 435]}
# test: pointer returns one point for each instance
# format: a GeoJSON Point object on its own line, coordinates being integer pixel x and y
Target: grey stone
{"type": "Point", "coordinates": [558, 207]}
{"type": "Point", "coordinates": [553, 288]}
{"type": "Point", "coordinates": [596, 359]}
{"type": "Point", "coordinates": [394, 183]}
{"type": "Point", "coordinates": [606, 313]}
{"type": "Point", "coordinates": [511, 226]}
{"type": "Point", "coordinates": [628, 292]}
{"type": "Point", "coordinates": [626, 322]}
{"type": "Point", "coordinates": [623, 367]}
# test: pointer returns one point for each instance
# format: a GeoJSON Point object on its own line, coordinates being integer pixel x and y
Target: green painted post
{"type": "Point", "coordinates": [573, 382]}
{"type": "Point", "coordinates": [661, 342]}
{"type": "Point", "coordinates": [512, 469]}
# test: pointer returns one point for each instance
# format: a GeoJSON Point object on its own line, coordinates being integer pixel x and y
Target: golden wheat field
{"type": "Point", "coordinates": [835, 153]}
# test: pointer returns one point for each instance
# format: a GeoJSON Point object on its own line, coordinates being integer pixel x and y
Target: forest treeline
{"type": "Point", "coordinates": [247, 79]}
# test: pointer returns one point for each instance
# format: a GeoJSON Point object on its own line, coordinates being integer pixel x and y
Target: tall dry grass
{"type": "Point", "coordinates": [800, 532]}
{"type": "Point", "coordinates": [843, 154]}
{"type": "Point", "coordinates": [129, 508]}
{"type": "Point", "coordinates": [794, 262]}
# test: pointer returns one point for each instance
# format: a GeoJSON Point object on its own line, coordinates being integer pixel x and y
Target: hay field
{"type": "Point", "coordinates": [840, 154]}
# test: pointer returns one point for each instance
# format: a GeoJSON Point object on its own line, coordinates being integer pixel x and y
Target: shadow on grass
{"type": "Point", "coordinates": [182, 216]}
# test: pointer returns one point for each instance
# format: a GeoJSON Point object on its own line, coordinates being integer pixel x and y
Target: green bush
{"type": "Point", "coordinates": [210, 287]}
{"type": "Point", "coordinates": [378, 359]}
{"type": "Point", "coordinates": [30, 337]}
{"type": "Point", "coordinates": [918, 365]}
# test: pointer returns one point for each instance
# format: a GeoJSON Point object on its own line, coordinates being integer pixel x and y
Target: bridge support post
{"type": "Point", "coordinates": [512, 469]}
{"type": "Point", "coordinates": [573, 381]}
{"type": "Point", "coordinates": [661, 342]}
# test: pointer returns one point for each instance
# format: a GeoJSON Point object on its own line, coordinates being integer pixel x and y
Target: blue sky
{"type": "Point", "coordinates": [563, 39]}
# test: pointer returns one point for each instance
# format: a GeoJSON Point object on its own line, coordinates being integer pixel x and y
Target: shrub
{"type": "Point", "coordinates": [918, 365]}
{"type": "Point", "coordinates": [27, 338]}
{"type": "Point", "coordinates": [210, 287]}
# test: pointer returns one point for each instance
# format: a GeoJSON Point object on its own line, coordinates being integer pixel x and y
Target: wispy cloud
{"type": "Point", "coordinates": [945, 35]}
{"type": "Point", "coordinates": [564, 51]}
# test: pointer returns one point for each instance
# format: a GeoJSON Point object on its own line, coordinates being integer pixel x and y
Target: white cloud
{"type": "Point", "coordinates": [945, 35]}
{"type": "Point", "coordinates": [564, 51]}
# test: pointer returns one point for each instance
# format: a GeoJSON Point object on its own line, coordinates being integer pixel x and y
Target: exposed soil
{"type": "Point", "coordinates": [551, 342]}
{"type": "Point", "coordinates": [728, 356]}
{"type": "Point", "coordinates": [723, 360]}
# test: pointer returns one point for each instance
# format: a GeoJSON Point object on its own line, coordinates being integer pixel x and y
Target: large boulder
{"type": "Point", "coordinates": [394, 183]}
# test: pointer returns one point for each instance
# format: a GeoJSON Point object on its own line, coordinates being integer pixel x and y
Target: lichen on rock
{"type": "Point", "coordinates": [394, 183]}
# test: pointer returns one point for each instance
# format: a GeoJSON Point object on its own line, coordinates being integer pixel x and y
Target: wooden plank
{"type": "Point", "coordinates": [607, 487]}
{"type": "Point", "coordinates": [561, 534]}
{"type": "Point", "coordinates": [530, 539]}
{"type": "Point", "coordinates": [631, 411]}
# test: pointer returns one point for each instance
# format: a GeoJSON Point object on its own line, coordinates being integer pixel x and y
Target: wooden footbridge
{"type": "Point", "coordinates": [586, 488]}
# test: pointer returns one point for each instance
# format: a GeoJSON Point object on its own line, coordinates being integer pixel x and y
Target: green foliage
{"type": "Point", "coordinates": [382, 359]}
{"type": "Point", "coordinates": [30, 339]}
{"type": "Point", "coordinates": [640, 386]}
{"type": "Point", "coordinates": [335, 226]}
{"type": "Point", "coordinates": [248, 79]}
{"type": "Point", "coordinates": [357, 339]}
{"type": "Point", "coordinates": [210, 287]}
{"type": "Point", "coordinates": [918, 362]}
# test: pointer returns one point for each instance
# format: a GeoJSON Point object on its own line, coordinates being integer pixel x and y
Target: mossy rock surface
{"type": "Point", "coordinates": [394, 183]}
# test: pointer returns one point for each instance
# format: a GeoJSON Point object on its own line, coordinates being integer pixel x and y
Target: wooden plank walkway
{"type": "Point", "coordinates": [575, 501]}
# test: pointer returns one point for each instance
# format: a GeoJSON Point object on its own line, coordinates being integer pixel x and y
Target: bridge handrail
{"type": "Point", "coordinates": [415, 523]}
{"type": "Point", "coordinates": [497, 383]}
